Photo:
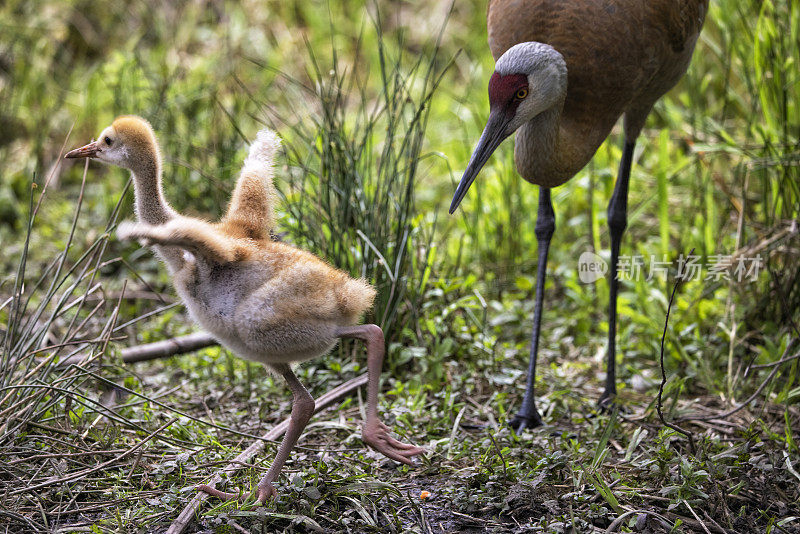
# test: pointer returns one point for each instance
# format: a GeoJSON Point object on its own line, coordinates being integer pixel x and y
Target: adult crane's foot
{"type": "Point", "coordinates": [264, 492]}
{"type": "Point", "coordinates": [376, 435]}
{"type": "Point", "coordinates": [522, 421]}
{"type": "Point", "coordinates": [606, 402]}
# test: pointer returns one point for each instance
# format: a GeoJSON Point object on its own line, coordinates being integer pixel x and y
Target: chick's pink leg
{"type": "Point", "coordinates": [302, 410]}
{"type": "Point", "coordinates": [374, 432]}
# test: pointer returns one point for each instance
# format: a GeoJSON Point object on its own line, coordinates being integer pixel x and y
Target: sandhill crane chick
{"type": "Point", "coordinates": [266, 301]}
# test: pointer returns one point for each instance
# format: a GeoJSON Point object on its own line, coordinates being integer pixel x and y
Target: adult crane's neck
{"type": "Point", "coordinates": [150, 204]}
{"type": "Point", "coordinates": [540, 148]}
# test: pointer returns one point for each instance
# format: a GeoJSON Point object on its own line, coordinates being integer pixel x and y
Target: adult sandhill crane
{"type": "Point", "coordinates": [266, 301]}
{"type": "Point", "coordinates": [564, 73]}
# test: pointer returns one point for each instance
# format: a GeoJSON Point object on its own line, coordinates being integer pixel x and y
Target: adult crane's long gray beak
{"type": "Point", "coordinates": [492, 136]}
{"type": "Point", "coordinates": [87, 151]}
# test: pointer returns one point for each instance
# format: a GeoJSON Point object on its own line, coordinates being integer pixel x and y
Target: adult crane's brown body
{"type": "Point", "coordinates": [566, 72]}
{"type": "Point", "coordinates": [621, 56]}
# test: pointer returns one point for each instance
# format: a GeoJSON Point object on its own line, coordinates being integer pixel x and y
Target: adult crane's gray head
{"type": "Point", "coordinates": [529, 78]}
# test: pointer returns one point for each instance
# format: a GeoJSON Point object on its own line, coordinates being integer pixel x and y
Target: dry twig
{"type": "Point", "coordinates": [167, 347]}
{"type": "Point", "coordinates": [664, 373]}
{"type": "Point", "coordinates": [160, 349]}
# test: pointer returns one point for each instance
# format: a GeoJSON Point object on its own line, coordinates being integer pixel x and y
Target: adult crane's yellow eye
{"type": "Point", "coordinates": [522, 93]}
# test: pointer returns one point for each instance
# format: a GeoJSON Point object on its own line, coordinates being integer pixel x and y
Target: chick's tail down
{"type": "Point", "coordinates": [355, 297]}
{"type": "Point", "coordinates": [252, 206]}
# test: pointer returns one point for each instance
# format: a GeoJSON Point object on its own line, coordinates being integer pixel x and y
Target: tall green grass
{"type": "Point", "coordinates": [51, 315]}
{"type": "Point", "coordinates": [353, 168]}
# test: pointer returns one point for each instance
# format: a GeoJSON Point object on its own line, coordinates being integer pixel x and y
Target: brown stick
{"type": "Point", "coordinates": [158, 349]}
{"type": "Point", "coordinates": [167, 347]}
{"type": "Point", "coordinates": [188, 513]}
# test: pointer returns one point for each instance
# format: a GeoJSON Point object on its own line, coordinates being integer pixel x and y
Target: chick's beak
{"type": "Point", "coordinates": [87, 151]}
{"type": "Point", "coordinates": [493, 134]}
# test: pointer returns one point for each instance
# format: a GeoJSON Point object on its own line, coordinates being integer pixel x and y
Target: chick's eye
{"type": "Point", "coordinates": [107, 140]}
{"type": "Point", "coordinates": [522, 93]}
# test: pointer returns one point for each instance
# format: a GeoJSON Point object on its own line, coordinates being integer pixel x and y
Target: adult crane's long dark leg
{"type": "Point", "coordinates": [617, 221]}
{"type": "Point", "coordinates": [528, 416]}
